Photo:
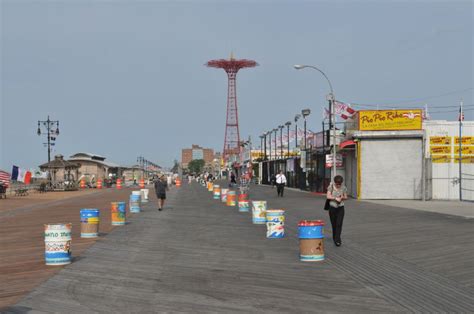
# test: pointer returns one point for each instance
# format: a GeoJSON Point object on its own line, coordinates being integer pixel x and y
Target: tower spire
{"type": "Point", "coordinates": [232, 136]}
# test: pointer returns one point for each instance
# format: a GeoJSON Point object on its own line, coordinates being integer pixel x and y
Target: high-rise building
{"type": "Point", "coordinates": [196, 152]}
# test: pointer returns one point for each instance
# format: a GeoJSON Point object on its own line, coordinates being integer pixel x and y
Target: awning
{"type": "Point", "coordinates": [348, 143]}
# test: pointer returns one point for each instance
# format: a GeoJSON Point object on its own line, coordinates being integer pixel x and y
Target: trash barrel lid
{"type": "Point", "coordinates": [310, 223]}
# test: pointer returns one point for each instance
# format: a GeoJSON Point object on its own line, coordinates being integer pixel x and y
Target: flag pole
{"type": "Point", "coordinates": [461, 118]}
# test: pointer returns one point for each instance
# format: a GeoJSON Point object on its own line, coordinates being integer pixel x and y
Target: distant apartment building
{"type": "Point", "coordinates": [196, 152]}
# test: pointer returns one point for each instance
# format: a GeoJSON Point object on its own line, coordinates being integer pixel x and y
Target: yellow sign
{"type": "Point", "coordinates": [440, 159]}
{"type": "Point", "coordinates": [465, 159]}
{"type": "Point", "coordinates": [466, 140]}
{"type": "Point", "coordinates": [440, 140]}
{"type": "Point", "coordinates": [466, 150]}
{"type": "Point", "coordinates": [436, 150]}
{"type": "Point", "coordinates": [385, 120]}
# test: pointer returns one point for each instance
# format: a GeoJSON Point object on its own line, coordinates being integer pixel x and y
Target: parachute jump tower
{"type": "Point", "coordinates": [232, 137]}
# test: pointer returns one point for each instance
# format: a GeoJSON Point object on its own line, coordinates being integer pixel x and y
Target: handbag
{"type": "Point", "coordinates": [326, 205]}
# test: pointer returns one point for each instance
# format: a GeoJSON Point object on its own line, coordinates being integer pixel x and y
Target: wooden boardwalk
{"type": "Point", "coordinates": [201, 256]}
{"type": "Point", "coordinates": [21, 236]}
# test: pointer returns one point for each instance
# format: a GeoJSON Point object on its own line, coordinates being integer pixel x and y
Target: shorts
{"type": "Point", "coordinates": [161, 196]}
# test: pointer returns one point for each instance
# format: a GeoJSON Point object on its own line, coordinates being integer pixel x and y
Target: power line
{"type": "Point", "coordinates": [396, 103]}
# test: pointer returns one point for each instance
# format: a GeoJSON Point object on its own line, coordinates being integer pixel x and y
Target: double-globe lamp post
{"type": "Point", "coordinates": [49, 125]}
{"type": "Point", "coordinates": [331, 99]}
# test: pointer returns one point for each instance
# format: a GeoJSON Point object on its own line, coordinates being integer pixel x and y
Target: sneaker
{"type": "Point", "coordinates": [160, 209]}
{"type": "Point", "coordinates": [337, 243]}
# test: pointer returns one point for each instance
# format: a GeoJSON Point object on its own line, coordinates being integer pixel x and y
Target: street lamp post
{"type": "Point", "coordinates": [49, 125]}
{"type": "Point", "coordinates": [288, 134]}
{"type": "Point", "coordinates": [281, 140]}
{"type": "Point", "coordinates": [265, 146]}
{"type": "Point", "coordinates": [270, 144]}
{"type": "Point", "coordinates": [296, 130]}
{"type": "Point", "coordinates": [331, 99]}
{"type": "Point", "coordinates": [261, 146]}
{"type": "Point", "coordinates": [305, 113]}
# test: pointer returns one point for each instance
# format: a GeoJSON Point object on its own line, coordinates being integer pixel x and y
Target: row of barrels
{"type": "Point", "coordinates": [58, 237]}
{"type": "Point", "coordinates": [118, 184]}
{"type": "Point", "coordinates": [310, 232]}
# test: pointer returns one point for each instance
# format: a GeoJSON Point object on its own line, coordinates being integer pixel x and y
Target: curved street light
{"type": "Point", "coordinates": [332, 124]}
{"type": "Point", "coordinates": [288, 134]}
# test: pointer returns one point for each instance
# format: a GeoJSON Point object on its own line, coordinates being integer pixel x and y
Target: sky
{"type": "Point", "coordinates": [127, 78]}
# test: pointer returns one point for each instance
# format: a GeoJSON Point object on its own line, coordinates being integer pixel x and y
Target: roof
{"type": "Point", "coordinates": [87, 155]}
{"type": "Point", "coordinates": [105, 163]}
{"type": "Point", "coordinates": [59, 163]}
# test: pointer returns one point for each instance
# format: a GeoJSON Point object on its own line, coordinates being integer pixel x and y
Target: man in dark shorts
{"type": "Point", "coordinates": [161, 186]}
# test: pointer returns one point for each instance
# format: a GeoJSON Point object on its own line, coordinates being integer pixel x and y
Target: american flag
{"type": "Point", "coordinates": [4, 178]}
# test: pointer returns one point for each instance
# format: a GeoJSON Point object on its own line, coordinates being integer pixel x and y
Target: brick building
{"type": "Point", "coordinates": [196, 152]}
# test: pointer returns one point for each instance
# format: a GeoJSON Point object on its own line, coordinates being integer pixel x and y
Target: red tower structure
{"type": "Point", "coordinates": [232, 137]}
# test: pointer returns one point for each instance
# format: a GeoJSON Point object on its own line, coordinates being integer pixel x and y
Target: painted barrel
{"type": "Point", "coordinates": [231, 196]}
{"type": "Point", "coordinates": [217, 192]}
{"type": "Point", "coordinates": [310, 234]}
{"type": "Point", "coordinates": [178, 183]}
{"type": "Point", "coordinates": [83, 184]}
{"type": "Point", "coordinates": [99, 184]}
{"type": "Point", "coordinates": [243, 197]}
{"type": "Point", "coordinates": [118, 212]}
{"type": "Point", "coordinates": [119, 184]}
{"type": "Point", "coordinates": [258, 212]}
{"type": "Point", "coordinates": [210, 186]}
{"type": "Point", "coordinates": [141, 184]}
{"type": "Point", "coordinates": [275, 223]}
{"type": "Point", "coordinates": [224, 195]}
{"type": "Point", "coordinates": [244, 206]}
{"type": "Point", "coordinates": [90, 219]}
{"type": "Point", "coordinates": [144, 195]}
{"type": "Point", "coordinates": [57, 242]}
{"type": "Point", "coordinates": [135, 203]}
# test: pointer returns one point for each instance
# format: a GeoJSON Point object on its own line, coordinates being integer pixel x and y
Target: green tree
{"type": "Point", "coordinates": [175, 167]}
{"type": "Point", "coordinates": [196, 165]}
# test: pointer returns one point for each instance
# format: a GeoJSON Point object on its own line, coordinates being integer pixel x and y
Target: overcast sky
{"type": "Point", "coordinates": [127, 78]}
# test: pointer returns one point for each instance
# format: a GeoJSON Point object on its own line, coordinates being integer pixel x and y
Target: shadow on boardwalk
{"type": "Point", "coordinates": [201, 256]}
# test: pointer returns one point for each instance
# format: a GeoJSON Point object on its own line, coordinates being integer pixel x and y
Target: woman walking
{"type": "Point", "coordinates": [336, 195]}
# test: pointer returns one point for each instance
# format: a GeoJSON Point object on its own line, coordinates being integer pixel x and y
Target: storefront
{"type": "Point", "coordinates": [387, 157]}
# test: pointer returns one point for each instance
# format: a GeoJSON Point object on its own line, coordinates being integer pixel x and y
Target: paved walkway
{"type": "Point", "coordinates": [201, 256]}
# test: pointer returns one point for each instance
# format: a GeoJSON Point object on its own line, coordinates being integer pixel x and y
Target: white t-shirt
{"type": "Point", "coordinates": [280, 178]}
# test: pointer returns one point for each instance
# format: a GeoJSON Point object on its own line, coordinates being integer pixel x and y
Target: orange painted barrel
{"type": "Point", "coordinates": [83, 184]}
{"type": "Point", "coordinates": [99, 184]}
{"type": "Point", "coordinates": [142, 184]}
{"type": "Point", "coordinates": [178, 183]}
{"type": "Point", "coordinates": [118, 212]}
{"type": "Point", "coordinates": [243, 197]}
{"type": "Point", "coordinates": [231, 196]}
{"type": "Point", "coordinates": [119, 184]}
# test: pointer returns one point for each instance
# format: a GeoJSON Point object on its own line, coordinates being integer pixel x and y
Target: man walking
{"type": "Point", "coordinates": [161, 186]}
{"type": "Point", "coordinates": [280, 182]}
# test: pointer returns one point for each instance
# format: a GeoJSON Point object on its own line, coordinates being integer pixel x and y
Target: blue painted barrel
{"type": "Point", "coordinates": [244, 206]}
{"type": "Point", "coordinates": [135, 203]}
{"type": "Point", "coordinates": [310, 234]}
{"type": "Point", "coordinates": [259, 217]}
{"type": "Point", "coordinates": [90, 223]}
{"type": "Point", "coordinates": [275, 223]}
{"type": "Point", "coordinates": [57, 242]}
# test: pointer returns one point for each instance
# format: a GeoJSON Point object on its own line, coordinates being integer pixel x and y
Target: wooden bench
{"type": "Point", "coordinates": [3, 192]}
{"type": "Point", "coordinates": [21, 192]}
